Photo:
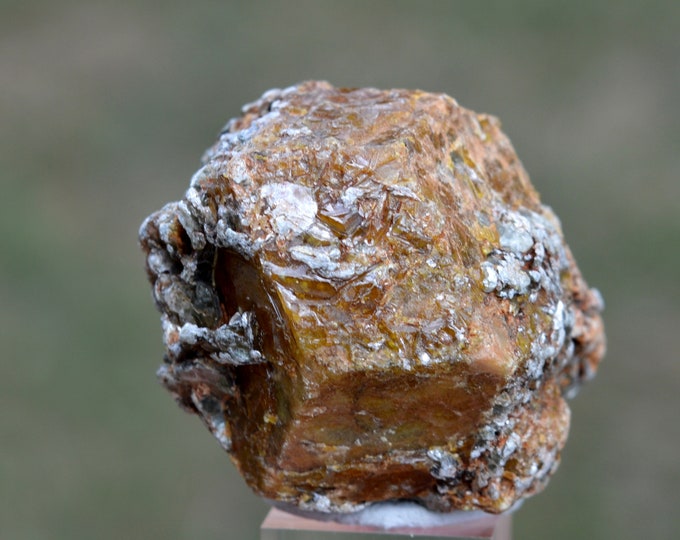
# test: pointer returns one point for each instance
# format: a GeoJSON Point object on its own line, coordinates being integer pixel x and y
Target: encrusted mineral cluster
{"type": "Point", "coordinates": [363, 299]}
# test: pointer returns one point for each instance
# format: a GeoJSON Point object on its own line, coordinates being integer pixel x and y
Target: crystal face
{"type": "Point", "coordinates": [363, 299]}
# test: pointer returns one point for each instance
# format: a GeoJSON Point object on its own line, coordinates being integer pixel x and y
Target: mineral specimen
{"type": "Point", "coordinates": [364, 300]}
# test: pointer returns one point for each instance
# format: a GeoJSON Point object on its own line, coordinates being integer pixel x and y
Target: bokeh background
{"type": "Point", "coordinates": [105, 110]}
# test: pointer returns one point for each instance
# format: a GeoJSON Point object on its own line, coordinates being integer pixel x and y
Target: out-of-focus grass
{"type": "Point", "coordinates": [105, 109]}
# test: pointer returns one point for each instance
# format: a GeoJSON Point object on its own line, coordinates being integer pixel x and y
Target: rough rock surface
{"type": "Point", "coordinates": [363, 299]}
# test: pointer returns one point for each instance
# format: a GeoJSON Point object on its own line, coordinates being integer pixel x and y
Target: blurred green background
{"type": "Point", "coordinates": [105, 110]}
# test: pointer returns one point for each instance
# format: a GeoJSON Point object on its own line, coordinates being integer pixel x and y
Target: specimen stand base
{"type": "Point", "coordinates": [279, 525]}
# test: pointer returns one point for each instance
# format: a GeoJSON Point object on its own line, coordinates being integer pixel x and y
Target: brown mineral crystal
{"type": "Point", "coordinates": [364, 300]}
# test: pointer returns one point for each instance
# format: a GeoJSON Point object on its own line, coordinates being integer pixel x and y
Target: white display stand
{"type": "Point", "coordinates": [279, 525]}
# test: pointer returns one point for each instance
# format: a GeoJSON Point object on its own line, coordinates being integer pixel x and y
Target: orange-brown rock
{"type": "Point", "coordinates": [363, 299]}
